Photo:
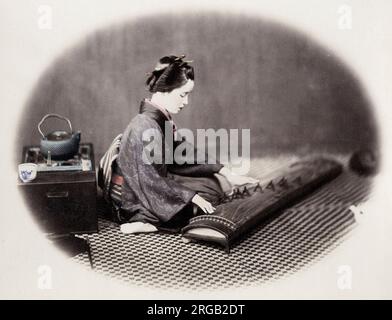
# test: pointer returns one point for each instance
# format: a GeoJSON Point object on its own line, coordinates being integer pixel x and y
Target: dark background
{"type": "Point", "coordinates": [294, 95]}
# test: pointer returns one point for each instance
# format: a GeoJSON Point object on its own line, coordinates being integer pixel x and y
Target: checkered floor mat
{"type": "Point", "coordinates": [295, 239]}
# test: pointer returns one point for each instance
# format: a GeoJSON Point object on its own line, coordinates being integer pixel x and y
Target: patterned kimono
{"type": "Point", "coordinates": [157, 192]}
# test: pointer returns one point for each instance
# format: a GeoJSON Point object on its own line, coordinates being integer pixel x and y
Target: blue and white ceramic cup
{"type": "Point", "coordinates": [27, 171]}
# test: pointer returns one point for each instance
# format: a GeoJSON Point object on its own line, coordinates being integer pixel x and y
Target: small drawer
{"type": "Point", "coordinates": [63, 207]}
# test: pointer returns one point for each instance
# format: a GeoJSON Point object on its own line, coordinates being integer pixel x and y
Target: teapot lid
{"type": "Point", "coordinates": [58, 136]}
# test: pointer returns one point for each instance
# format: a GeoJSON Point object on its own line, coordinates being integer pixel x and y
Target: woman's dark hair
{"type": "Point", "coordinates": [170, 73]}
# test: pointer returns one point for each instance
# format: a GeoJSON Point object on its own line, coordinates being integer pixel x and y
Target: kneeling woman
{"type": "Point", "coordinates": [159, 194]}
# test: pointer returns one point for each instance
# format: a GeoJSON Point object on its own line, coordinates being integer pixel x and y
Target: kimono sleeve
{"type": "Point", "coordinates": [158, 193]}
{"type": "Point", "coordinates": [194, 170]}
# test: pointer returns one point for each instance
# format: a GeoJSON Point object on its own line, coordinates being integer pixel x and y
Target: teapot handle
{"type": "Point", "coordinates": [55, 116]}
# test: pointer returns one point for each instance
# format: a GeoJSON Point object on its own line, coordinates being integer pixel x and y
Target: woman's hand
{"type": "Point", "coordinates": [203, 204]}
{"type": "Point", "coordinates": [237, 180]}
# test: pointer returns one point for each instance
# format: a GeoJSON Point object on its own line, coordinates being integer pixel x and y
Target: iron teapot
{"type": "Point", "coordinates": [59, 145]}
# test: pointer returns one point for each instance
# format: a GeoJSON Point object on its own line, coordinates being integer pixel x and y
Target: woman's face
{"type": "Point", "coordinates": [177, 99]}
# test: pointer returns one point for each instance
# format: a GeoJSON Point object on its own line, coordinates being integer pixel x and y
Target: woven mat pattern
{"type": "Point", "coordinates": [298, 237]}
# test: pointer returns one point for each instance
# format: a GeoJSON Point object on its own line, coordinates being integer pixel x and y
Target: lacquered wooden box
{"type": "Point", "coordinates": [63, 202]}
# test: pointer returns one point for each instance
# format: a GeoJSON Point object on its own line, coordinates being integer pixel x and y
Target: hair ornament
{"type": "Point", "coordinates": [180, 57]}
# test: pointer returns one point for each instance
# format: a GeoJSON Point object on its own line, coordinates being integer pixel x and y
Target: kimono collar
{"type": "Point", "coordinates": [159, 114]}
